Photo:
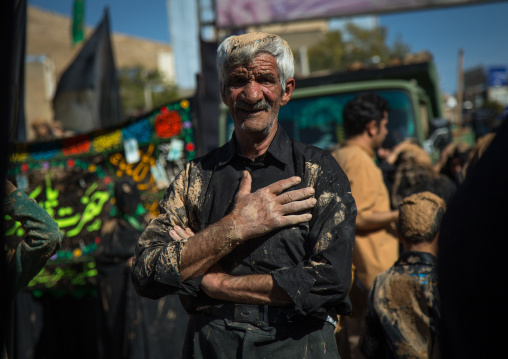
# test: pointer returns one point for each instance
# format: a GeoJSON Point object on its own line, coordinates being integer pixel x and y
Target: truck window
{"type": "Point", "coordinates": [318, 120]}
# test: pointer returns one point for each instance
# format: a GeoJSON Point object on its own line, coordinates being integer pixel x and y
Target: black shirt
{"type": "Point", "coordinates": [311, 262]}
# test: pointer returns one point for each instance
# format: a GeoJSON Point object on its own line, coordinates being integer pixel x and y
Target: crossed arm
{"type": "Point", "coordinates": [254, 214]}
{"type": "Point", "coordinates": [249, 289]}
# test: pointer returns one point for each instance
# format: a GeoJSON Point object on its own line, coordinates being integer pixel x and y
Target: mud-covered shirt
{"type": "Point", "coordinates": [311, 262]}
{"type": "Point", "coordinates": [403, 310]}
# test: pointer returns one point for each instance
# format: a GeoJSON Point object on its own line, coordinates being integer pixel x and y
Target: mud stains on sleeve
{"type": "Point", "coordinates": [195, 189]}
{"type": "Point", "coordinates": [325, 200]}
{"type": "Point", "coordinates": [170, 257]}
{"type": "Point", "coordinates": [185, 197]}
{"type": "Point", "coordinates": [157, 255]}
{"type": "Point", "coordinates": [312, 173]}
{"type": "Point", "coordinates": [173, 204]}
{"type": "Point", "coordinates": [324, 242]}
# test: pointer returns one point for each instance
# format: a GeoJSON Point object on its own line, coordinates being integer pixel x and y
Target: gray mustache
{"type": "Point", "coordinates": [260, 105]}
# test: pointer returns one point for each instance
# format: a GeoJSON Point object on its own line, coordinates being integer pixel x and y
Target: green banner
{"type": "Point", "coordinates": [78, 22]}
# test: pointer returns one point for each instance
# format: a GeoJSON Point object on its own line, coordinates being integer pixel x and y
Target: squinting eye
{"type": "Point", "coordinates": [237, 82]}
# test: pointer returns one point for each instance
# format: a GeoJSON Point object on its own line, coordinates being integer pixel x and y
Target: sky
{"type": "Point", "coordinates": [478, 29]}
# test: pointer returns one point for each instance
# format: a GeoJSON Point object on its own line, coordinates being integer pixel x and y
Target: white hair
{"type": "Point", "coordinates": [240, 50]}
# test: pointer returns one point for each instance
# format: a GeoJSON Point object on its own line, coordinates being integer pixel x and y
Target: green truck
{"type": "Point", "coordinates": [314, 114]}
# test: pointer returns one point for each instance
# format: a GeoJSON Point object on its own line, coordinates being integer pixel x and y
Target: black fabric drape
{"type": "Point", "coordinates": [87, 96]}
{"type": "Point", "coordinates": [134, 327]}
{"type": "Point", "coordinates": [209, 100]}
{"type": "Point", "coordinates": [12, 125]}
{"type": "Point", "coordinates": [471, 260]}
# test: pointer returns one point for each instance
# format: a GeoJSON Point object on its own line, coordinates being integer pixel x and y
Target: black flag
{"type": "Point", "coordinates": [87, 96]}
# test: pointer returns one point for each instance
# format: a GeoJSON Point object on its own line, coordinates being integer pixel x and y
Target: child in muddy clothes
{"type": "Point", "coordinates": [404, 308]}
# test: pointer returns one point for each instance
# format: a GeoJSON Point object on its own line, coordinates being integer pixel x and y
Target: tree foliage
{"type": "Point", "coordinates": [136, 83]}
{"type": "Point", "coordinates": [339, 49]}
{"type": "Point", "coordinates": [328, 53]}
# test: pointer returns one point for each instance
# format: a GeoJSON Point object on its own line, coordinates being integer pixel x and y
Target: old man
{"type": "Point", "coordinates": [257, 236]}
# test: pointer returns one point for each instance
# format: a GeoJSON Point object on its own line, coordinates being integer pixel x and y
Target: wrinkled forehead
{"type": "Point", "coordinates": [247, 59]}
{"type": "Point", "coordinates": [261, 62]}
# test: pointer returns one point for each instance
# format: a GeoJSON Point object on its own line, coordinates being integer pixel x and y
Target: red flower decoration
{"type": "Point", "coordinates": [71, 162]}
{"type": "Point", "coordinates": [107, 180]}
{"type": "Point", "coordinates": [190, 147]}
{"type": "Point", "coordinates": [24, 167]}
{"type": "Point", "coordinates": [168, 124]}
{"type": "Point", "coordinates": [76, 145]}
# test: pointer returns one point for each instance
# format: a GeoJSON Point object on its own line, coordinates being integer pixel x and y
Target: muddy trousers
{"type": "Point", "coordinates": [214, 337]}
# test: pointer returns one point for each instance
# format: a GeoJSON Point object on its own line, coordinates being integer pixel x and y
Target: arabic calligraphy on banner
{"type": "Point", "coordinates": [73, 180]}
{"type": "Point", "coordinates": [76, 195]}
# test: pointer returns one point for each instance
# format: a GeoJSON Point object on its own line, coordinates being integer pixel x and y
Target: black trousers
{"type": "Point", "coordinates": [209, 336]}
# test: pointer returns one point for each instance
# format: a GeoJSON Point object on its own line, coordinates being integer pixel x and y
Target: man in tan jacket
{"type": "Point", "coordinates": [376, 249]}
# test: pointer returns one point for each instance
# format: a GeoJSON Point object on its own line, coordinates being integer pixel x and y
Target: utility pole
{"type": "Point", "coordinates": [460, 78]}
{"type": "Point", "coordinates": [304, 61]}
{"type": "Point", "coordinates": [184, 38]}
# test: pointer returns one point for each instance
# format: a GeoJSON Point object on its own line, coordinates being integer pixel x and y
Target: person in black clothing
{"type": "Point", "coordinates": [269, 266]}
{"type": "Point", "coordinates": [472, 259]}
{"type": "Point", "coordinates": [133, 327]}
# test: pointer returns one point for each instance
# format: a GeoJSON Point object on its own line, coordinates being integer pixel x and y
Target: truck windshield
{"type": "Point", "coordinates": [318, 120]}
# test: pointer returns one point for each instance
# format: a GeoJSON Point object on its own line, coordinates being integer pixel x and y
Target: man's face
{"type": "Point", "coordinates": [382, 132]}
{"type": "Point", "coordinates": [254, 95]}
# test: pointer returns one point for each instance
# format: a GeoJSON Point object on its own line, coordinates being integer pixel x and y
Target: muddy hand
{"type": "Point", "coordinates": [178, 233]}
{"type": "Point", "coordinates": [269, 208]}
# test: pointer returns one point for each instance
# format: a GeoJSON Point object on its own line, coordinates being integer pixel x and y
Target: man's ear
{"type": "Point", "coordinates": [372, 128]}
{"type": "Point", "coordinates": [288, 91]}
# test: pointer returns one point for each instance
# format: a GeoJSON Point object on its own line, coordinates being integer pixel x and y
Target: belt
{"type": "Point", "coordinates": [251, 313]}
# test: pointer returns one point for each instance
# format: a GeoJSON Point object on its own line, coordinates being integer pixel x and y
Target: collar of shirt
{"type": "Point", "coordinates": [367, 150]}
{"type": "Point", "coordinates": [280, 148]}
{"type": "Point", "coordinates": [413, 257]}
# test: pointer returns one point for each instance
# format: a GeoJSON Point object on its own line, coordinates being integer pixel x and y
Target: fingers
{"type": "Point", "coordinates": [174, 236]}
{"type": "Point", "coordinates": [298, 206]}
{"type": "Point", "coordinates": [178, 233]}
{"type": "Point", "coordinates": [282, 185]}
{"type": "Point", "coordinates": [270, 207]}
{"type": "Point", "coordinates": [296, 195]}
{"type": "Point", "coordinates": [295, 219]}
{"type": "Point", "coordinates": [190, 233]}
{"type": "Point", "coordinates": [245, 184]}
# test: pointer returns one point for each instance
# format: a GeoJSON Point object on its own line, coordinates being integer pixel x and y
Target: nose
{"type": "Point", "coordinates": [252, 92]}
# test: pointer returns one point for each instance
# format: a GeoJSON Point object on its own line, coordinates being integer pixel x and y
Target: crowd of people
{"type": "Point", "coordinates": [279, 248]}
